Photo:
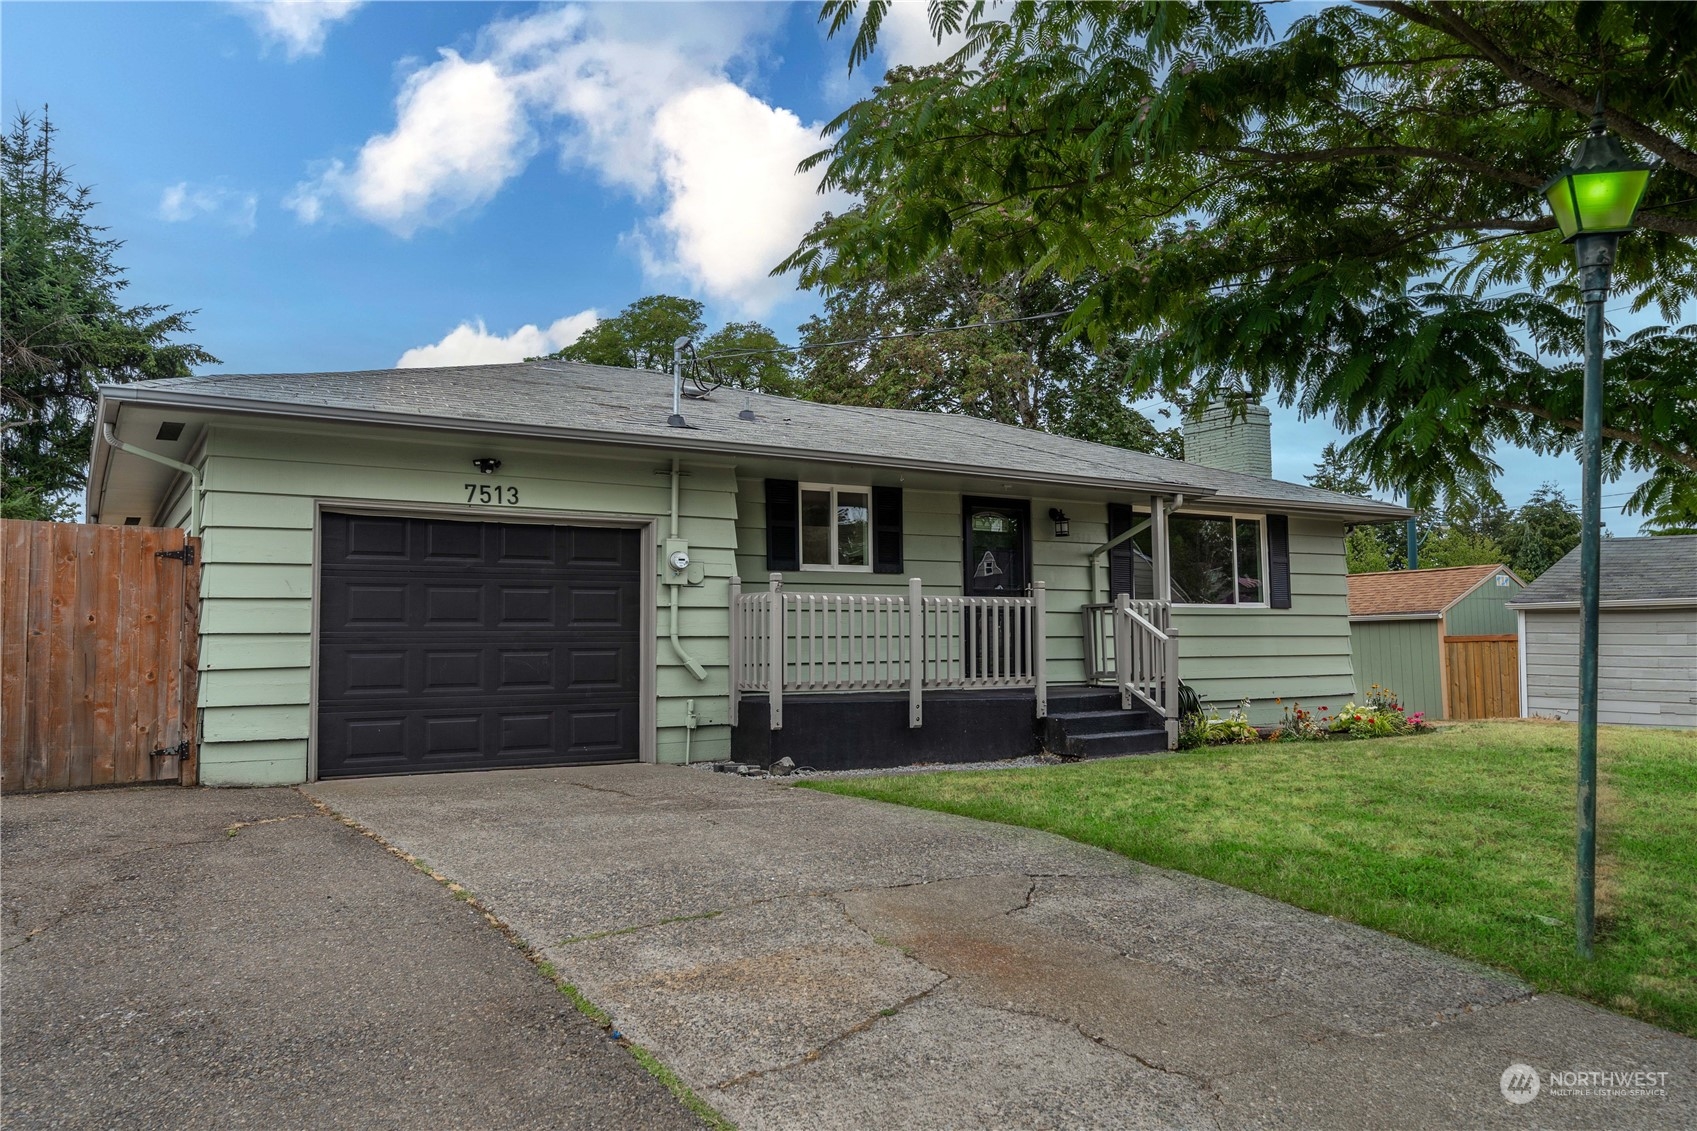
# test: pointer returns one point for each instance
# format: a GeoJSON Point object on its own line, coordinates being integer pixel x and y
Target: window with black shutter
{"type": "Point", "coordinates": [1278, 561]}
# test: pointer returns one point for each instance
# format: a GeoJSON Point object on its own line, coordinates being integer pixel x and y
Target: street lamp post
{"type": "Point", "coordinates": [1594, 199]}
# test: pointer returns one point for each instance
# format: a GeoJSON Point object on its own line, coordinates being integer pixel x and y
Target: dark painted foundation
{"type": "Point", "coordinates": [869, 730]}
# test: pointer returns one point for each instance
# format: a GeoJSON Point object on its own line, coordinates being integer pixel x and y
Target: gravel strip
{"type": "Point", "coordinates": [802, 773]}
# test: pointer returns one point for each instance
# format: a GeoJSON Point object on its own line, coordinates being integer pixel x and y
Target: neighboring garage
{"type": "Point", "coordinates": [1442, 639]}
{"type": "Point", "coordinates": [456, 645]}
{"type": "Point", "coordinates": [1647, 638]}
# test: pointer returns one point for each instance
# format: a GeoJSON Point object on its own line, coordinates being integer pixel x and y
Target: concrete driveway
{"type": "Point", "coordinates": [235, 958]}
{"type": "Point", "coordinates": [803, 960]}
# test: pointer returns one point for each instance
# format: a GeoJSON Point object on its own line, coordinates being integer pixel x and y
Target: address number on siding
{"type": "Point", "coordinates": [495, 494]}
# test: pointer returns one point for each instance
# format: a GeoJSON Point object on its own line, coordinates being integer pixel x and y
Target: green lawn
{"type": "Point", "coordinates": [1461, 840]}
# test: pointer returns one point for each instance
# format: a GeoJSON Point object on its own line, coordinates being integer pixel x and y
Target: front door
{"type": "Point", "coordinates": [997, 537]}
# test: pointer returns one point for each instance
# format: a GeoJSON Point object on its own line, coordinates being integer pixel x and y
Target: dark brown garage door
{"type": "Point", "coordinates": [476, 645]}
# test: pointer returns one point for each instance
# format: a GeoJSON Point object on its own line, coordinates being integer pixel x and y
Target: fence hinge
{"type": "Point", "coordinates": [178, 751]}
{"type": "Point", "coordinates": [184, 555]}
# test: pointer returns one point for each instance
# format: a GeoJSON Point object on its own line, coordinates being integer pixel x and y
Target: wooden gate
{"type": "Point", "coordinates": [1483, 676]}
{"type": "Point", "coordinates": [97, 668]}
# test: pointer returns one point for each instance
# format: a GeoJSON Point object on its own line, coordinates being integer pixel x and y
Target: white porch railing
{"type": "Point", "coordinates": [801, 642]}
{"type": "Point", "coordinates": [1145, 654]}
{"type": "Point", "coordinates": [1099, 635]}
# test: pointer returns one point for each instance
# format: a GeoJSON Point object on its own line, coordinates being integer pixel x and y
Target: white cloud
{"type": "Point", "coordinates": [460, 134]}
{"type": "Point", "coordinates": [298, 26]}
{"type": "Point", "coordinates": [183, 201]}
{"type": "Point", "coordinates": [473, 344]}
{"type": "Point", "coordinates": [905, 36]}
{"type": "Point", "coordinates": [735, 204]}
{"type": "Point", "coordinates": [639, 95]}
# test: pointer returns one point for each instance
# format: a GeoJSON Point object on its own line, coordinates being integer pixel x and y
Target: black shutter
{"type": "Point", "coordinates": [887, 530]}
{"type": "Point", "coordinates": [1278, 561]}
{"type": "Point", "coordinates": [1120, 560]}
{"type": "Point", "coordinates": [783, 525]}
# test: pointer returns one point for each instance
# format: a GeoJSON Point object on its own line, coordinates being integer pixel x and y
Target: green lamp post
{"type": "Point", "coordinates": [1594, 199]}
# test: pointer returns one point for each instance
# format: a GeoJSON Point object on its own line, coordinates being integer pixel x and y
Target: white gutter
{"type": "Point", "coordinates": [695, 669]}
{"type": "Point", "coordinates": [1624, 603]}
{"type": "Point", "coordinates": [195, 489]}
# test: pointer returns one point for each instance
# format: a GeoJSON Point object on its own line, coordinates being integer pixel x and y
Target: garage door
{"type": "Point", "coordinates": [476, 645]}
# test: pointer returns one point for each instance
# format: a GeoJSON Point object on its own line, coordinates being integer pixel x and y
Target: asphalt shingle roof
{"type": "Point", "coordinates": [1411, 592]}
{"type": "Point", "coordinates": [1632, 569]}
{"type": "Point", "coordinates": [608, 404]}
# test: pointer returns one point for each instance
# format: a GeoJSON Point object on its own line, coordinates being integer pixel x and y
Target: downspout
{"type": "Point", "coordinates": [195, 488]}
{"type": "Point", "coordinates": [689, 661]}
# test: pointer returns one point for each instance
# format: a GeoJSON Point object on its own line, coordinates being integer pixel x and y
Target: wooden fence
{"type": "Point", "coordinates": [98, 640]}
{"type": "Point", "coordinates": [1483, 673]}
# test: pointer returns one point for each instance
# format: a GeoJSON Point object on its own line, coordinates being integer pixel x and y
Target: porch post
{"type": "Point", "coordinates": [916, 652]}
{"type": "Point", "coordinates": [736, 647]}
{"type": "Point", "coordinates": [1040, 645]}
{"type": "Point", "coordinates": [1169, 689]}
{"type": "Point", "coordinates": [775, 653]}
{"type": "Point", "coordinates": [1163, 551]}
{"type": "Point", "coordinates": [1122, 649]}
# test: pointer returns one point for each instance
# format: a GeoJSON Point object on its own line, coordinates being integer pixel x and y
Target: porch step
{"type": "Point", "coordinates": [1092, 724]}
{"type": "Point", "coordinates": [1115, 743]}
{"type": "Point", "coordinates": [1079, 723]}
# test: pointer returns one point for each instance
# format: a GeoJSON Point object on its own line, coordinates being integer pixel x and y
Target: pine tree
{"type": "Point", "coordinates": [64, 329]}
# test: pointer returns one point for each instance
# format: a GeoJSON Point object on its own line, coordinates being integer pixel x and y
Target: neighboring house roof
{"type": "Point", "coordinates": [630, 406]}
{"type": "Point", "coordinates": [1633, 571]}
{"type": "Point", "coordinates": [1416, 592]}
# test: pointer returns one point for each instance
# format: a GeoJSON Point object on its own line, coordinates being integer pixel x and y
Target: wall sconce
{"type": "Point", "coordinates": [1063, 528]}
{"type": "Point", "coordinates": [486, 465]}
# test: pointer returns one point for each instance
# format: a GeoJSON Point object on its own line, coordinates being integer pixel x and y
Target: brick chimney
{"type": "Point", "coordinates": [1231, 444]}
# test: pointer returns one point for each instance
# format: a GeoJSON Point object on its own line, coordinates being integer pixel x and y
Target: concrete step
{"type": "Point", "coordinates": [1114, 743]}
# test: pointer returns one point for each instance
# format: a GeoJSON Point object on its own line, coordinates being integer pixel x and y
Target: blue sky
{"type": "Point", "coordinates": [341, 186]}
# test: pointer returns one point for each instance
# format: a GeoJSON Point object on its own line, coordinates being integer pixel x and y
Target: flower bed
{"type": "Point", "coordinates": [1379, 715]}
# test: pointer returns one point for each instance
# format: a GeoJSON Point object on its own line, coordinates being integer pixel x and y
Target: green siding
{"type": "Point", "coordinates": [1300, 653]}
{"type": "Point", "coordinates": [257, 585]}
{"type": "Point", "coordinates": [1403, 656]}
{"type": "Point", "coordinates": [1483, 612]}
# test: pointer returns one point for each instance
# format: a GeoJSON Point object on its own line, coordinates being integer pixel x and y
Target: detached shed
{"type": "Point", "coordinates": [1647, 643]}
{"type": "Point", "coordinates": [1443, 639]}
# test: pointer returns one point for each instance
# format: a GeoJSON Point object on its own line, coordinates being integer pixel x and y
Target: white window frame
{"type": "Point", "coordinates": [1266, 565]}
{"type": "Point", "coordinates": [801, 528]}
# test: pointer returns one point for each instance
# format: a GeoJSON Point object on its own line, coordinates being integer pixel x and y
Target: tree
{"type": "Point", "coordinates": [63, 327]}
{"type": "Point", "coordinates": [1344, 216]}
{"type": "Point", "coordinates": [1370, 548]}
{"type": "Point", "coordinates": [1449, 546]}
{"type": "Point", "coordinates": [1364, 552]}
{"type": "Point", "coordinates": [1028, 373]}
{"type": "Point", "coordinates": [640, 336]}
{"type": "Point", "coordinates": [1541, 532]}
{"type": "Point", "coordinates": [747, 355]}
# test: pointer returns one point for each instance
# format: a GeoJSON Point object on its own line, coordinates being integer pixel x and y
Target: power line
{"type": "Point", "coordinates": [870, 338]}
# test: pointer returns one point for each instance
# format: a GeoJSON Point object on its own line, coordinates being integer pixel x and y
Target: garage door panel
{"type": "Point", "coordinates": [460, 645]}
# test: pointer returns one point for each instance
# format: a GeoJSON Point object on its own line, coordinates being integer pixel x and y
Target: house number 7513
{"type": "Point", "coordinates": [492, 493]}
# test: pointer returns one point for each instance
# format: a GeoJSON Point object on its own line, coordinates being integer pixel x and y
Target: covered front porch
{"type": "Point", "coordinates": [833, 679]}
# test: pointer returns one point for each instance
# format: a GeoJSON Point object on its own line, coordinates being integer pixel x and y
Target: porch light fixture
{"type": "Point", "coordinates": [487, 464]}
{"type": "Point", "coordinates": [1063, 527]}
{"type": "Point", "coordinates": [1594, 200]}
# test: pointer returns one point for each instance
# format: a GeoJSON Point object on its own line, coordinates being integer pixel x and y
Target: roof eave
{"type": "Point", "coordinates": [245, 406]}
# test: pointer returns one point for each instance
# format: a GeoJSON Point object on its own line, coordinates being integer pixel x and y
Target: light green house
{"type": "Point", "coordinates": [547, 563]}
{"type": "Point", "coordinates": [1442, 639]}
